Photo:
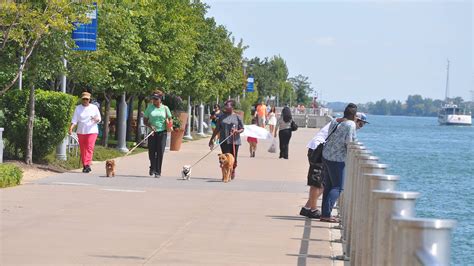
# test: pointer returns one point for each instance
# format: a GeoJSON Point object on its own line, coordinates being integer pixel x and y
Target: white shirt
{"type": "Point", "coordinates": [83, 119]}
{"type": "Point", "coordinates": [319, 138]}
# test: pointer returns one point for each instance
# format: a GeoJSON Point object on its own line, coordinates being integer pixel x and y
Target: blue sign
{"type": "Point", "coordinates": [85, 35]}
{"type": "Point", "coordinates": [250, 87]}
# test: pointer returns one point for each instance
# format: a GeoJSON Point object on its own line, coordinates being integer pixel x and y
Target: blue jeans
{"type": "Point", "coordinates": [333, 185]}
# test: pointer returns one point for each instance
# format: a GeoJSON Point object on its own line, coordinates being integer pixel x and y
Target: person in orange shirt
{"type": "Point", "coordinates": [261, 114]}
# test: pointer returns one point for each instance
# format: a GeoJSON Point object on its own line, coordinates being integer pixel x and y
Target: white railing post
{"type": "Point", "coordinates": [362, 210]}
{"type": "Point", "coordinates": [201, 121]}
{"type": "Point", "coordinates": [345, 202]}
{"type": "Point", "coordinates": [351, 197]}
{"type": "Point", "coordinates": [188, 126]}
{"type": "Point", "coordinates": [363, 157]}
{"type": "Point", "coordinates": [379, 182]}
{"type": "Point", "coordinates": [419, 239]}
{"type": "Point", "coordinates": [388, 204]}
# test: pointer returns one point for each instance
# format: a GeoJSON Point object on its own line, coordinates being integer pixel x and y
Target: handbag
{"type": "Point", "coordinates": [316, 156]}
{"type": "Point", "coordinates": [293, 126]}
{"type": "Point", "coordinates": [273, 147]}
{"type": "Point", "coordinates": [169, 123]}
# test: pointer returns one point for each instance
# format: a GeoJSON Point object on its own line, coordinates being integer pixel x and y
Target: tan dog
{"type": "Point", "coordinates": [110, 167]}
{"type": "Point", "coordinates": [226, 161]}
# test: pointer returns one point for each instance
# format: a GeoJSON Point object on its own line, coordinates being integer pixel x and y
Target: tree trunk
{"type": "Point", "coordinates": [29, 132]}
{"type": "Point", "coordinates": [130, 118]}
{"type": "Point", "coordinates": [105, 132]}
{"type": "Point", "coordinates": [139, 116]}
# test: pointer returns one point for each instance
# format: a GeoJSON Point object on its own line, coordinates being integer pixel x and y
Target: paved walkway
{"type": "Point", "coordinates": [134, 219]}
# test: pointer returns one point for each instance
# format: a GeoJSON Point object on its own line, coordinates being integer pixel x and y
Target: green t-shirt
{"type": "Point", "coordinates": [157, 116]}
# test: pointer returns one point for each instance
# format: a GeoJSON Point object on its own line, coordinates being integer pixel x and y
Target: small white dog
{"type": "Point", "coordinates": [186, 172]}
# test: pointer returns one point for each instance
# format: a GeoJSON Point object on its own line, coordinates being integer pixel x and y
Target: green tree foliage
{"type": "Point", "coordinates": [302, 89]}
{"type": "Point", "coordinates": [53, 116]}
{"type": "Point", "coordinates": [25, 25]}
{"type": "Point", "coordinates": [271, 78]}
{"type": "Point", "coordinates": [415, 105]}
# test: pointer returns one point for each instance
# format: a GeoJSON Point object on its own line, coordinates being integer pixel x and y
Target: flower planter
{"type": "Point", "coordinates": [183, 117]}
{"type": "Point", "coordinates": [176, 139]}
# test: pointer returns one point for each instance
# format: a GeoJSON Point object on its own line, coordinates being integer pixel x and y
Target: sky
{"type": "Point", "coordinates": [361, 51]}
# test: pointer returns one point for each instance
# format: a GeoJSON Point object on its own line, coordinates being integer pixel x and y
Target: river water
{"type": "Point", "coordinates": [438, 162]}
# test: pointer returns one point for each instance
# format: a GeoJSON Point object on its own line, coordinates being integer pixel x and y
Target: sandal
{"type": "Point", "coordinates": [329, 219]}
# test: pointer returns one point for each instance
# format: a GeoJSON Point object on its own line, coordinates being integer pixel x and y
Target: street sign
{"type": "Point", "coordinates": [85, 35]}
{"type": "Point", "coordinates": [250, 87]}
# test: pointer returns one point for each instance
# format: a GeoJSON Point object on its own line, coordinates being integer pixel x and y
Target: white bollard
{"type": "Point", "coordinates": [361, 215]}
{"type": "Point", "coordinates": [379, 182]}
{"type": "Point", "coordinates": [188, 126]}
{"type": "Point", "coordinates": [387, 205]}
{"type": "Point", "coordinates": [350, 188]}
{"type": "Point", "coordinates": [346, 203]}
{"type": "Point", "coordinates": [357, 207]}
{"type": "Point", "coordinates": [421, 240]}
{"type": "Point", "coordinates": [201, 121]}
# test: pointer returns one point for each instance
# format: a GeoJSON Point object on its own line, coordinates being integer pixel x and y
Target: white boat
{"type": "Point", "coordinates": [451, 114]}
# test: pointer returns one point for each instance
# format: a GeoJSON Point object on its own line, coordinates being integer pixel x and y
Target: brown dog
{"type": "Point", "coordinates": [226, 161]}
{"type": "Point", "coordinates": [110, 167]}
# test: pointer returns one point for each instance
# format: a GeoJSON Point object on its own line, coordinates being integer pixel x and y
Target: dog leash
{"type": "Point", "coordinates": [136, 146]}
{"type": "Point", "coordinates": [211, 150]}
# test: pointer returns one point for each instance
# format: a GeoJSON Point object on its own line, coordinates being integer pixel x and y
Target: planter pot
{"type": "Point", "coordinates": [176, 139]}
{"type": "Point", "coordinates": [183, 117]}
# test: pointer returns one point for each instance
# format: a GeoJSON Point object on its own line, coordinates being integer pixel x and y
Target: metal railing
{"type": "Point", "coordinates": [378, 222]}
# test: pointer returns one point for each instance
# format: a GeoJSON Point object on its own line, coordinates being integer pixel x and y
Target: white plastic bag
{"type": "Point", "coordinates": [273, 147]}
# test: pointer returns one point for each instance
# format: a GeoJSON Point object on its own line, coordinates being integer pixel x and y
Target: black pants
{"type": "Point", "coordinates": [156, 149]}
{"type": "Point", "coordinates": [228, 148]}
{"type": "Point", "coordinates": [285, 136]}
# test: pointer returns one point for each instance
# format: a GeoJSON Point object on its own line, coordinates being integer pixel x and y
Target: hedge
{"type": "Point", "coordinates": [53, 113]}
{"type": "Point", "coordinates": [10, 175]}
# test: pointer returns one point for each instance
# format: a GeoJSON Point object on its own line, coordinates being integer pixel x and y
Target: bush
{"type": "Point", "coordinates": [53, 113]}
{"type": "Point", "coordinates": [176, 122]}
{"type": "Point", "coordinates": [10, 175]}
{"type": "Point", "coordinates": [246, 106]}
{"type": "Point", "coordinates": [174, 102]}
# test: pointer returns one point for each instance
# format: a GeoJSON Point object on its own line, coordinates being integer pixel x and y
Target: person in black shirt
{"type": "Point", "coordinates": [229, 123]}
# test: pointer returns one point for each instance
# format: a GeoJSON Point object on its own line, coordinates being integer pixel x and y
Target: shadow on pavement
{"type": "Point", "coordinates": [118, 257]}
{"type": "Point", "coordinates": [304, 246]}
{"type": "Point", "coordinates": [291, 218]}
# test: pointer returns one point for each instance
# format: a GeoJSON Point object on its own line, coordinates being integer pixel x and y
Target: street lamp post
{"type": "Point", "coordinates": [244, 65]}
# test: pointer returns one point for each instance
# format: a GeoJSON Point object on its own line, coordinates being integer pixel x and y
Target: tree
{"type": "Point", "coordinates": [271, 77]}
{"type": "Point", "coordinates": [302, 88]}
{"type": "Point", "coordinates": [24, 26]}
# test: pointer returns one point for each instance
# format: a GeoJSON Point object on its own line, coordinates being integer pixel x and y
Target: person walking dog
{"type": "Point", "coordinates": [157, 116]}
{"type": "Point", "coordinates": [229, 123]}
{"type": "Point", "coordinates": [85, 117]}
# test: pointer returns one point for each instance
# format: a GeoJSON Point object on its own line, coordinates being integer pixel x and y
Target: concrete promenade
{"type": "Point", "coordinates": [133, 219]}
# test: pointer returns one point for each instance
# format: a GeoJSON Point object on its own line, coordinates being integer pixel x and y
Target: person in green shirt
{"type": "Point", "coordinates": [157, 115]}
